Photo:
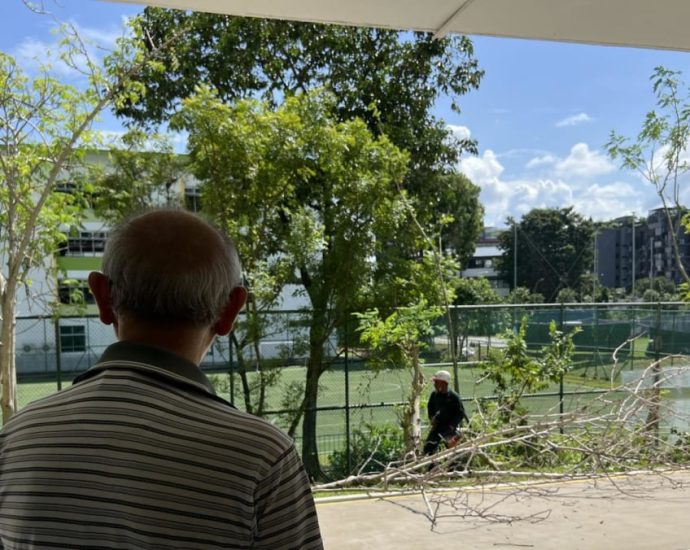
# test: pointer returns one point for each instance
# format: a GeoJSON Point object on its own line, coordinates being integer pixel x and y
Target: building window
{"type": "Point", "coordinates": [74, 291]}
{"type": "Point", "coordinates": [87, 243]}
{"type": "Point", "coordinates": [66, 187]}
{"type": "Point", "coordinates": [73, 338]}
{"type": "Point", "coordinates": [192, 199]}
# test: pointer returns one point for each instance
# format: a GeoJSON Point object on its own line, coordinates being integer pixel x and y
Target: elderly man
{"type": "Point", "coordinates": [445, 412]}
{"type": "Point", "coordinates": [140, 452]}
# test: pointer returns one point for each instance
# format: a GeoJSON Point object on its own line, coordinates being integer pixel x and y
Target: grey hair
{"type": "Point", "coordinates": [174, 267]}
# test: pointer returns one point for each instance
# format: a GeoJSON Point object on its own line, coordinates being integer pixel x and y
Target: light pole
{"type": "Point", "coordinates": [632, 291]}
{"type": "Point", "coordinates": [515, 243]}
{"type": "Point", "coordinates": [595, 271]}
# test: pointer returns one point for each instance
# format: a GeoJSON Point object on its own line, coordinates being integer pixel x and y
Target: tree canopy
{"type": "Point", "coordinates": [319, 151]}
{"type": "Point", "coordinates": [301, 193]}
{"type": "Point", "coordinates": [45, 128]}
{"type": "Point", "coordinates": [554, 251]}
{"type": "Point", "coordinates": [390, 80]}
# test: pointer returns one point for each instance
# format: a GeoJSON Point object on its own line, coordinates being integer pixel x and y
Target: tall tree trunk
{"type": "Point", "coordinates": [317, 337]}
{"type": "Point", "coordinates": [8, 372]}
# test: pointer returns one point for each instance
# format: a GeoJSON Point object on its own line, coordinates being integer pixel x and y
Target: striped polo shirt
{"type": "Point", "coordinates": [141, 453]}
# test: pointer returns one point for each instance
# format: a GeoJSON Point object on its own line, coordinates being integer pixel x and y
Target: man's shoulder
{"type": "Point", "coordinates": [259, 426]}
{"type": "Point", "coordinates": [454, 395]}
{"type": "Point", "coordinates": [197, 410]}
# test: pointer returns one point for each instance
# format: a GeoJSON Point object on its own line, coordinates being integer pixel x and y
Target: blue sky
{"type": "Point", "coordinates": [541, 116]}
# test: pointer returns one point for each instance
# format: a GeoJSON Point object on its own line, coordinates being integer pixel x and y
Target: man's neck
{"type": "Point", "coordinates": [192, 343]}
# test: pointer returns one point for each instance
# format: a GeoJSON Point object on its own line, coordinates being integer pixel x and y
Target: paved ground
{"type": "Point", "coordinates": [641, 512]}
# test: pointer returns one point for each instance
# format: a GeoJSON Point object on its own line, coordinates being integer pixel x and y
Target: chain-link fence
{"type": "Point", "coordinates": [266, 375]}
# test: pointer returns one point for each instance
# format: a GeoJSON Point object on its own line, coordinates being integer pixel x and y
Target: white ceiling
{"type": "Point", "coordinates": [659, 24]}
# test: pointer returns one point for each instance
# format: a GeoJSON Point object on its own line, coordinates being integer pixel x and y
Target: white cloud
{"type": "Point", "coordinates": [102, 37]}
{"type": "Point", "coordinates": [543, 160]}
{"type": "Point", "coordinates": [583, 163]}
{"type": "Point", "coordinates": [502, 198]}
{"type": "Point", "coordinates": [33, 55]}
{"type": "Point", "coordinates": [574, 120]}
{"type": "Point", "coordinates": [460, 132]}
{"type": "Point", "coordinates": [519, 152]}
{"type": "Point", "coordinates": [607, 201]}
{"type": "Point", "coordinates": [482, 169]}
{"type": "Point", "coordinates": [563, 184]}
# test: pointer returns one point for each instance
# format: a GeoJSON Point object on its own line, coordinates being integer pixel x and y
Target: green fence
{"type": "Point", "coordinates": [352, 395]}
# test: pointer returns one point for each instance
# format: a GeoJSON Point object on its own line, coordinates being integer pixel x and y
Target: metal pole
{"type": "Point", "coordinates": [656, 396]}
{"type": "Point", "coordinates": [596, 268]}
{"type": "Point", "coordinates": [515, 253]}
{"type": "Point", "coordinates": [347, 396]}
{"type": "Point", "coordinates": [58, 354]}
{"type": "Point", "coordinates": [632, 342]}
{"type": "Point", "coordinates": [560, 385]}
{"type": "Point", "coordinates": [452, 337]}
{"type": "Point", "coordinates": [633, 255]}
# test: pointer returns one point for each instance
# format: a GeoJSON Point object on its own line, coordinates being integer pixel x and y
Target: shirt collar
{"type": "Point", "coordinates": [159, 360]}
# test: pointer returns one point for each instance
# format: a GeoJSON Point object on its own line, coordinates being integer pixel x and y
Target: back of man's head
{"type": "Point", "coordinates": [170, 266]}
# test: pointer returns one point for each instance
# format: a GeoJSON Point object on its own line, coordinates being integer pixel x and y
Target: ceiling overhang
{"type": "Point", "coordinates": [660, 24]}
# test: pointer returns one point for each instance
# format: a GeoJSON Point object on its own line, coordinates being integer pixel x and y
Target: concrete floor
{"type": "Point", "coordinates": [632, 512]}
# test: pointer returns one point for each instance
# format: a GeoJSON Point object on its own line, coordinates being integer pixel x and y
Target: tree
{"type": "Point", "coordinates": [554, 250]}
{"type": "Point", "coordinates": [659, 153]}
{"type": "Point", "coordinates": [388, 80]}
{"type": "Point", "coordinates": [522, 295]}
{"type": "Point", "coordinates": [476, 291]}
{"type": "Point", "coordinates": [391, 80]}
{"type": "Point", "coordinates": [566, 295]}
{"type": "Point", "coordinates": [44, 127]}
{"type": "Point", "coordinates": [143, 172]}
{"type": "Point", "coordinates": [397, 342]}
{"type": "Point", "coordinates": [655, 289]}
{"type": "Point", "coordinates": [303, 192]}
{"type": "Point", "coordinates": [514, 372]}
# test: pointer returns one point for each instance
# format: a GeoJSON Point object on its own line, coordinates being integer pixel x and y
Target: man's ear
{"type": "Point", "coordinates": [100, 288]}
{"type": "Point", "coordinates": [231, 310]}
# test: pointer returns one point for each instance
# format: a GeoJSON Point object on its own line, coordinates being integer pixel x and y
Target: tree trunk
{"type": "Point", "coordinates": [242, 371]}
{"type": "Point", "coordinates": [294, 423]}
{"type": "Point", "coordinates": [411, 423]}
{"type": "Point", "coordinates": [256, 337]}
{"type": "Point", "coordinates": [8, 373]}
{"type": "Point", "coordinates": [310, 453]}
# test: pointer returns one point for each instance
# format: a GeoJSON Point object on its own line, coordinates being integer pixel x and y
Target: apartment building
{"type": "Point", "coordinates": [631, 249]}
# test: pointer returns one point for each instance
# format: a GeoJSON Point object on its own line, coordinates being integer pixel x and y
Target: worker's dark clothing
{"type": "Point", "coordinates": [445, 414]}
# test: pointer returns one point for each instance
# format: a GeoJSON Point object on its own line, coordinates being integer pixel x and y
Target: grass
{"type": "Point", "coordinates": [29, 390]}
{"type": "Point", "coordinates": [371, 394]}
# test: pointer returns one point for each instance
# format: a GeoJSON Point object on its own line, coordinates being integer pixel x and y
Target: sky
{"type": "Point", "coordinates": [541, 116]}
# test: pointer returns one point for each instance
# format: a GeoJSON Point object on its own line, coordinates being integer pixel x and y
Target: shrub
{"type": "Point", "coordinates": [372, 447]}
